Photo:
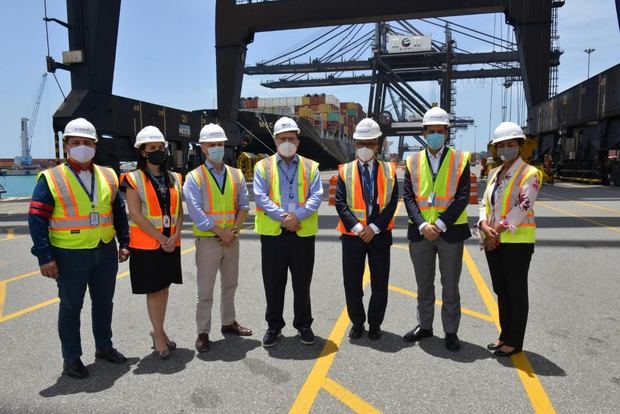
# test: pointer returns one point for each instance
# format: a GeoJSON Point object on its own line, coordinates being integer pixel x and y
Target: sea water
{"type": "Point", "coordinates": [18, 185]}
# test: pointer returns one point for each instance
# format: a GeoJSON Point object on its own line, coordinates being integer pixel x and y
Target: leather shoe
{"type": "Point", "coordinates": [356, 332]}
{"type": "Point", "coordinates": [374, 333]}
{"type": "Point", "coordinates": [500, 353]}
{"type": "Point", "coordinates": [452, 342]}
{"type": "Point", "coordinates": [271, 337]}
{"type": "Point", "coordinates": [111, 355]}
{"type": "Point", "coordinates": [236, 329]}
{"type": "Point", "coordinates": [492, 346]}
{"type": "Point", "coordinates": [306, 336]}
{"type": "Point", "coordinates": [202, 342]}
{"type": "Point", "coordinates": [74, 368]}
{"type": "Point", "coordinates": [417, 333]}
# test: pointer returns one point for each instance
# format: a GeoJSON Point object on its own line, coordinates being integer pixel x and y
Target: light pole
{"type": "Point", "coordinates": [475, 133]}
{"type": "Point", "coordinates": [589, 52]}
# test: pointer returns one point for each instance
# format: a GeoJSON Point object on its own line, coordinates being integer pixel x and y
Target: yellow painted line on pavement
{"type": "Point", "coordinates": [316, 379]}
{"type": "Point", "coordinates": [583, 203]}
{"type": "Point", "coordinates": [10, 234]}
{"type": "Point", "coordinates": [349, 399]}
{"type": "Point", "coordinates": [538, 397]}
{"type": "Point", "coordinates": [438, 302]}
{"type": "Point", "coordinates": [51, 301]}
{"type": "Point", "coordinates": [568, 213]}
{"type": "Point", "coordinates": [25, 275]}
{"type": "Point", "coordinates": [2, 297]}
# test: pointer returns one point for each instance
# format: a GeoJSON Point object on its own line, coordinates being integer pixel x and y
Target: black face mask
{"type": "Point", "coordinates": [156, 157]}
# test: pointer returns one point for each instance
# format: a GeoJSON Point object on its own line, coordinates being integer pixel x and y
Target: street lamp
{"type": "Point", "coordinates": [589, 52]}
{"type": "Point", "coordinates": [475, 133]}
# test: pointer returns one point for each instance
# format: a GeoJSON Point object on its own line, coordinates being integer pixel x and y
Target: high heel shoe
{"type": "Point", "coordinates": [503, 354]}
{"type": "Point", "coordinates": [165, 354]}
{"type": "Point", "coordinates": [493, 346]}
{"type": "Point", "coordinates": [171, 344]}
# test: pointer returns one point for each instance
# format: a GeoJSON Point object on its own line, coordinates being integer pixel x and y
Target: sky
{"type": "Point", "coordinates": [166, 55]}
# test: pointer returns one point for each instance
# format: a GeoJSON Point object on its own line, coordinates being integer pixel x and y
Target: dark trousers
{"type": "Point", "coordinates": [509, 265]}
{"type": "Point", "coordinates": [279, 254]}
{"type": "Point", "coordinates": [354, 252]}
{"type": "Point", "coordinates": [95, 268]}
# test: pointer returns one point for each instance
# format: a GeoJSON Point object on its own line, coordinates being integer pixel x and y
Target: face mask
{"type": "Point", "coordinates": [287, 149]}
{"type": "Point", "coordinates": [364, 154]}
{"type": "Point", "coordinates": [435, 141]}
{"type": "Point", "coordinates": [156, 157]}
{"type": "Point", "coordinates": [508, 153]}
{"type": "Point", "coordinates": [81, 153]}
{"type": "Point", "coordinates": [216, 153]}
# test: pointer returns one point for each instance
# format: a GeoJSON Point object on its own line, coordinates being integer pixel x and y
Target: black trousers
{"type": "Point", "coordinates": [354, 252]}
{"type": "Point", "coordinates": [279, 254]}
{"type": "Point", "coordinates": [509, 265]}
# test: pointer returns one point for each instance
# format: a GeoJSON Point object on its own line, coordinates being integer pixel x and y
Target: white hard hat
{"type": "Point", "coordinates": [212, 133]}
{"type": "Point", "coordinates": [80, 128]}
{"type": "Point", "coordinates": [506, 131]}
{"type": "Point", "coordinates": [436, 116]}
{"type": "Point", "coordinates": [149, 134]}
{"type": "Point", "coordinates": [367, 129]}
{"type": "Point", "coordinates": [285, 124]}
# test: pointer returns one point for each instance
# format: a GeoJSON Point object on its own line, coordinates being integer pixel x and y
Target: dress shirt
{"type": "Point", "coordinates": [286, 172]}
{"type": "Point", "coordinates": [193, 198]}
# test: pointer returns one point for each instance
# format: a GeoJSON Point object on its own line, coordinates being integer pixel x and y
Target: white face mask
{"type": "Point", "coordinates": [364, 154]}
{"type": "Point", "coordinates": [287, 149]}
{"type": "Point", "coordinates": [216, 153]}
{"type": "Point", "coordinates": [81, 153]}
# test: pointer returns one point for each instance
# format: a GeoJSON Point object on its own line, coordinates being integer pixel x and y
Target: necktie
{"type": "Point", "coordinates": [367, 182]}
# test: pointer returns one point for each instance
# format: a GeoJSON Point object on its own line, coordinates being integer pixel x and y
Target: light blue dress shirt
{"type": "Point", "coordinates": [288, 173]}
{"type": "Point", "coordinates": [193, 197]}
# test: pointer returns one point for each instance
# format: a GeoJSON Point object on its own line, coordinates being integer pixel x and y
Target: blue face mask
{"type": "Point", "coordinates": [216, 153]}
{"type": "Point", "coordinates": [435, 141]}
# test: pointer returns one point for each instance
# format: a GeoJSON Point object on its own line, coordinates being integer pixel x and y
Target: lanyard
{"type": "Point", "coordinates": [290, 180]}
{"type": "Point", "coordinates": [90, 195]}
{"type": "Point", "coordinates": [162, 193]}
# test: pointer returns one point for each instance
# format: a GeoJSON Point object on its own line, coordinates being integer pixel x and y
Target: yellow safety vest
{"type": "Point", "coordinates": [149, 205]}
{"type": "Point", "coordinates": [221, 208]}
{"type": "Point", "coordinates": [526, 231]}
{"type": "Point", "coordinates": [443, 187]}
{"type": "Point", "coordinates": [386, 176]}
{"type": "Point", "coordinates": [70, 225]}
{"type": "Point", "coordinates": [307, 170]}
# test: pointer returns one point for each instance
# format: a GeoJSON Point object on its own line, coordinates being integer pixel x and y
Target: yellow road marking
{"type": "Point", "coordinates": [534, 389]}
{"type": "Point", "coordinates": [10, 234]}
{"type": "Point", "coordinates": [316, 379]}
{"type": "Point", "coordinates": [2, 297]}
{"type": "Point", "coordinates": [349, 399]}
{"type": "Point", "coordinates": [47, 302]}
{"type": "Point", "coordinates": [568, 213]}
{"type": "Point", "coordinates": [438, 302]}
{"type": "Point", "coordinates": [584, 203]}
{"type": "Point", "coordinates": [25, 275]}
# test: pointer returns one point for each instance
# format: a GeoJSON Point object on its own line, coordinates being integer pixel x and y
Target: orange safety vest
{"type": "Point", "coordinates": [149, 205]}
{"type": "Point", "coordinates": [386, 177]}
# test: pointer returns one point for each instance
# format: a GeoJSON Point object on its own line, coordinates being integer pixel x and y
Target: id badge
{"type": "Point", "coordinates": [291, 207]}
{"type": "Point", "coordinates": [167, 221]}
{"type": "Point", "coordinates": [94, 219]}
{"type": "Point", "coordinates": [431, 199]}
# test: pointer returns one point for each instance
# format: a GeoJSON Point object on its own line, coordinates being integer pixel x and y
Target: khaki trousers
{"type": "Point", "coordinates": [211, 257]}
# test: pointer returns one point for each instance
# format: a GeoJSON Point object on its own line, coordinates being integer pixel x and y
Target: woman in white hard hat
{"type": "Point", "coordinates": [508, 228]}
{"type": "Point", "coordinates": [156, 212]}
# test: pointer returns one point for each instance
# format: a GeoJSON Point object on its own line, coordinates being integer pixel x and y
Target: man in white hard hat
{"type": "Point", "coordinates": [436, 194]}
{"type": "Point", "coordinates": [366, 199]}
{"type": "Point", "coordinates": [288, 193]}
{"type": "Point", "coordinates": [217, 201]}
{"type": "Point", "coordinates": [74, 215]}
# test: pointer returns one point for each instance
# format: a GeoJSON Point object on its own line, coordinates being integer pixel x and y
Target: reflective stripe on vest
{"type": "Point", "coordinates": [526, 231]}
{"type": "Point", "coordinates": [386, 176]}
{"type": "Point", "coordinates": [444, 186]}
{"type": "Point", "coordinates": [306, 172]}
{"type": "Point", "coordinates": [149, 206]}
{"type": "Point", "coordinates": [70, 224]}
{"type": "Point", "coordinates": [220, 208]}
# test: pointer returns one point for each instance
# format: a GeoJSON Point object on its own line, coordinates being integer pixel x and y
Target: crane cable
{"type": "Point", "coordinates": [47, 40]}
